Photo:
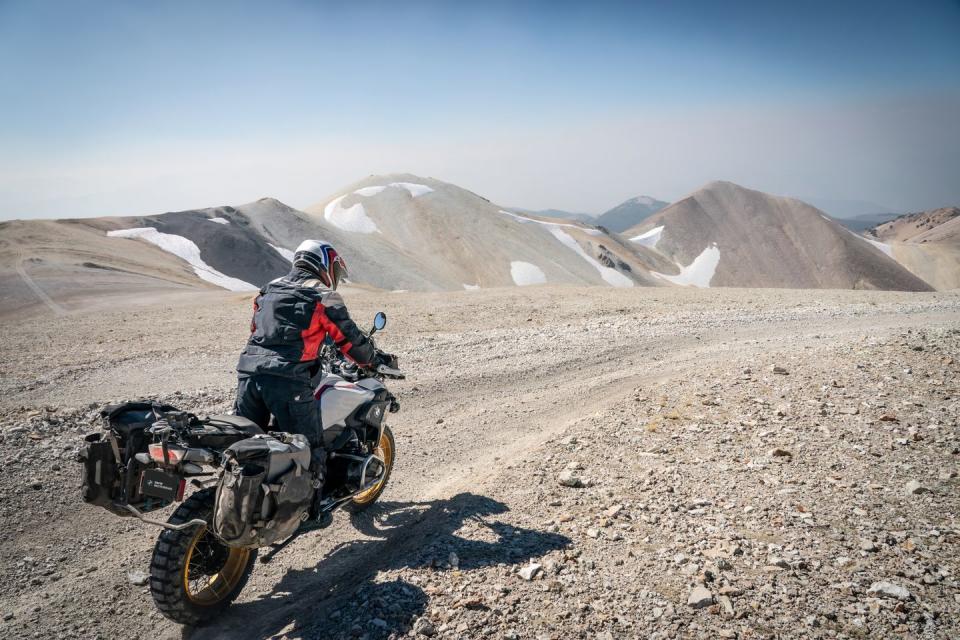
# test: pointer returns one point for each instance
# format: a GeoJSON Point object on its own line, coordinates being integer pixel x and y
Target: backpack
{"type": "Point", "coordinates": [264, 491]}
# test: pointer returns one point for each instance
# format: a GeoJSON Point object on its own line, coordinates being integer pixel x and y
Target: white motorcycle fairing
{"type": "Point", "coordinates": [338, 398]}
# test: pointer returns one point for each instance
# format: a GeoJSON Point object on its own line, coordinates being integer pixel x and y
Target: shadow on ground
{"type": "Point", "coordinates": [399, 535]}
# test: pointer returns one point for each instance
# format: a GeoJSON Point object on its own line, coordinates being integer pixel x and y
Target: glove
{"type": "Point", "coordinates": [387, 359]}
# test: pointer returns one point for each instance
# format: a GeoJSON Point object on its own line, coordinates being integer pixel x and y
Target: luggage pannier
{"type": "Point", "coordinates": [109, 472]}
{"type": "Point", "coordinates": [265, 490]}
{"type": "Point", "coordinates": [100, 481]}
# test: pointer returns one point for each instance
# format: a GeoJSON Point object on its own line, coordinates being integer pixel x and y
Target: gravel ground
{"type": "Point", "coordinates": [588, 463]}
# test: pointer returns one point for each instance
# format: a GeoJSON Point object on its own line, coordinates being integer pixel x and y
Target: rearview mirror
{"type": "Point", "coordinates": [379, 322]}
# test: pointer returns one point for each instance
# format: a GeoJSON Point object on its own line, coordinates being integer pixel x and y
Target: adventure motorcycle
{"type": "Point", "coordinates": [253, 488]}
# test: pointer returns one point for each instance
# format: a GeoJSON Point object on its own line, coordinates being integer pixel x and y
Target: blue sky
{"type": "Point", "coordinates": [122, 108]}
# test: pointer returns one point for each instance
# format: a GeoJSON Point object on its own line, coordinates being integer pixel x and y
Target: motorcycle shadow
{"type": "Point", "coordinates": [340, 596]}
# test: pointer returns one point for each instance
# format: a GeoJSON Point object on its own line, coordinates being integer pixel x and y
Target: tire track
{"type": "Point", "coordinates": [40, 293]}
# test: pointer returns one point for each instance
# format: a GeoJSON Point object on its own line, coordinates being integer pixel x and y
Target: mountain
{"type": "Point", "coordinates": [419, 233]}
{"type": "Point", "coordinates": [396, 232]}
{"type": "Point", "coordinates": [629, 214]}
{"type": "Point", "coordinates": [404, 232]}
{"type": "Point", "coordinates": [585, 218]}
{"type": "Point", "coordinates": [726, 235]}
{"type": "Point", "coordinates": [927, 243]}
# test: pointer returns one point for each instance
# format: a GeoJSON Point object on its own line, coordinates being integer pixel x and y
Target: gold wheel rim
{"type": "Point", "coordinates": [385, 452]}
{"type": "Point", "coordinates": [207, 590]}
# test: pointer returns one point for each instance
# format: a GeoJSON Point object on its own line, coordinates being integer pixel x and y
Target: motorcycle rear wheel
{"type": "Point", "coordinates": [194, 576]}
{"type": "Point", "coordinates": [386, 450]}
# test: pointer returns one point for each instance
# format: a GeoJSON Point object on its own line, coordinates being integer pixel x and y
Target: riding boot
{"type": "Point", "coordinates": [318, 467]}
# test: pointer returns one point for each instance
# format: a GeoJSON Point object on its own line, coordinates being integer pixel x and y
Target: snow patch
{"type": "Point", "coordinates": [369, 191]}
{"type": "Point", "coordinates": [219, 220]}
{"type": "Point", "coordinates": [524, 273]}
{"type": "Point", "coordinates": [698, 273]}
{"type": "Point", "coordinates": [525, 220]}
{"type": "Point", "coordinates": [286, 253]}
{"type": "Point", "coordinates": [187, 250]}
{"type": "Point", "coordinates": [649, 238]}
{"type": "Point", "coordinates": [471, 287]}
{"type": "Point", "coordinates": [413, 188]}
{"type": "Point", "coordinates": [353, 219]}
{"type": "Point", "coordinates": [611, 276]}
{"type": "Point", "coordinates": [883, 246]}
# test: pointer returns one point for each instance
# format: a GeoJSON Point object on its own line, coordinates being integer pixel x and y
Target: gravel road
{"type": "Point", "coordinates": [573, 462]}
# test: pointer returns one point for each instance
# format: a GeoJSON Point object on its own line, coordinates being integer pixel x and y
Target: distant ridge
{"type": "Point", "coordinates": [629, 213]}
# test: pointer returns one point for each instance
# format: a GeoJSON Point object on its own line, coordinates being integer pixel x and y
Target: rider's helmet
{"type": "Point", "coordinates": [322, 260]}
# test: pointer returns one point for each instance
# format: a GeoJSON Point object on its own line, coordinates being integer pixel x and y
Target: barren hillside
{"type": "Point", "coordinates": [726, 235]}
{"type": "Point", "coordinates": [926, 243]}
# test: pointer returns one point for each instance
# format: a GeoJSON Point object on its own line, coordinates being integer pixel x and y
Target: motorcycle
{"type": "Point", "coordinates": [149, 453]}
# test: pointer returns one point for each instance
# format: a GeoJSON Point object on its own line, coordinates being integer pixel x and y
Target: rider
{"type": "Point", "coordinates": [292, 316]}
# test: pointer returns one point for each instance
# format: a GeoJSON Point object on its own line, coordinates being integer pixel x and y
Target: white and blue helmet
{"type": "Point", "coordinates": [322, 260]}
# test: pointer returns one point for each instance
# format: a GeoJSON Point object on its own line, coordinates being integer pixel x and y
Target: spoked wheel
{"type": "Point", "coordinates": [194, 576]}
{"type": "Point", "coordinates": [386, 451]}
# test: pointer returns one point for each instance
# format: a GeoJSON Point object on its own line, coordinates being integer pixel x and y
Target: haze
{"type": "Point", "coordinates": [109, 109]}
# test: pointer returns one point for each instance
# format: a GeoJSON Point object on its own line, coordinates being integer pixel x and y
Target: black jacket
{"type": "Point", "coordinates": [291, 318]}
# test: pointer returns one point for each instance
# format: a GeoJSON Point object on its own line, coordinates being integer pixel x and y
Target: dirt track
{"type": "Point", "coordinates": [495, 377]}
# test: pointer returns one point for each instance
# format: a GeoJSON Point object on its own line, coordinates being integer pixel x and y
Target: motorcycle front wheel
{"type": "Point", "coordinates": [194, 576]}
{"type": "Point", "coordinates": [386, 451]}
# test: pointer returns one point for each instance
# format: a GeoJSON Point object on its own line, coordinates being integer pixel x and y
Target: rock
{"type": "Point", "coordinates": [700, 597]}
{"type": "Point", "coordinates": [8, 616]}
{"type": "Point", "coordinates": [780, 453]}
{"type": "Point", "coordinates": [569, 478]}
{"type": "Point", "coordinates": [380, 623]}
{"type": "Point", "coordinates": [138, 578]}
{"type": "Point", "coordinates": [869, 546]}
{"type": "Point", "coordinates": [778, 370]}
{"type": "Point", "coordinates": [889, 417]}
{"type": "Point", "coordinates": [613, 511]}
{"type": "Point", "coordinates": [914, 488]}
{"type": "Point", "coordinates": [530, 571]}
{"type": "Point", "coordinates": [454, 560]}
{"type": "Point", "coordinates": [593, 533]}
{"type": "Point", "coordinates": [726, 605]}
{"type": "Point", "coordinates": [569, 440]}
{"type": "Point", "coordinates": [423, 627]}
{"type": "Point", "coordinates": [888, 590]}
{"type": "Point", "coordinates": [36, 485]}
{"type": "Point", "coordinates": [850, 411]}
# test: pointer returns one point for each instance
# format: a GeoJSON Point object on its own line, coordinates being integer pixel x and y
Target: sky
{"type": "Point", "coordinates": [132, 108]}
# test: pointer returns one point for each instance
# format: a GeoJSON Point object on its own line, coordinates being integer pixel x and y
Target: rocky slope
{"type": "Point", "coordinates": [926, 243]}
{"type": "Point", "coordinates": [726, 235]}
{"type": "Point", "coordinates": [936, 225]}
